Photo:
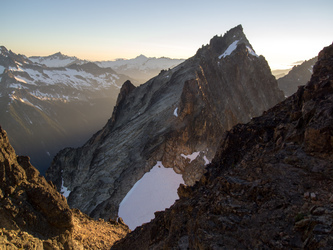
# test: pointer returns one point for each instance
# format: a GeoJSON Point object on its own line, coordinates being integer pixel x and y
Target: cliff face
{"type": "Point", "coordinates": [176, 118]}
{"type": "Point", "coordinates": [269, 185]}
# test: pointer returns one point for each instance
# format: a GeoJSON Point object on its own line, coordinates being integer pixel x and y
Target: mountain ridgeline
{"type": "Point", "coordinates": [176, 118]}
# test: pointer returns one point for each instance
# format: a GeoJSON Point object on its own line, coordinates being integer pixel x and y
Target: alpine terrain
{"type": "Point", "coordinates": [175, 120]}
{"type": "Point", "coordinates": [269, 186]}
{"type": "Point", "coordinates": [45, 109]}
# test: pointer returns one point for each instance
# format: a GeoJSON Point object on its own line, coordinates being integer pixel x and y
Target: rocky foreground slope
{"type": "Point", "coordinates": [270, 185]}
{"type": "Point", "coordinates": [177, 115]}
{"type": "Point", "coordinates": [33, 215]}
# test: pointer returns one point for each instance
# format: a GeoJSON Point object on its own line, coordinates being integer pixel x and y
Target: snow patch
{"type": "Point", "coordinates": [175, 112]}
{"type": "Point", "coordinates": [251, 51]}
{"type": "Point", "coordinates": [155, 191]}
{"type": "Point", "coordinates": [192, 156]}
{"type": "Point", "coordinates": [206, 160]}
{"type": "Point", "coordinates": [229, 50]}
{"type": "Point", "coordinates": [64, 190]}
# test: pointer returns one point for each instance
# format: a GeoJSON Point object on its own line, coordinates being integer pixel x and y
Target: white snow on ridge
{"type": "Point", "coordinates": [155, 191]}
{"type": "Point", "coordinates": [72, 78]}
{"type": "Point", "coordinates": [251, 51]}
{"type": "Point", "coordinates": [53, 62]}
{"type": "Point", "coordinates": [229, 50]}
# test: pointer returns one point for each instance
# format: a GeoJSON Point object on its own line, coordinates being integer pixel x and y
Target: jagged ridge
{"type": "Point", "coordinates": [269, 185]}
{"type": "Point", "coordinates": [180, 111]}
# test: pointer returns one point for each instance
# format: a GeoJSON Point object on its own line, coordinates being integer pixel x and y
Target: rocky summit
{"type": "Point", "coordinates": [269, 186]}
{"type": "Point", "coordinates": [176, 118]}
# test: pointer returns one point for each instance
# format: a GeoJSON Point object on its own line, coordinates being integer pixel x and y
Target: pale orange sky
{"type": "Point", "coordinates": [282, 31]}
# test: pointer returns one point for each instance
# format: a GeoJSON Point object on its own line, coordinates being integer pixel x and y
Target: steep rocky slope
{"type": "Point", "coordinates": [269, 185]}
{"type": "Point", "coordinates": [44, 109]}
{"type": "Point", "coordinates": [33, 215]}
{"type": "Point", "coordinates": [175, 118]}
{"type": "Point", "coordinates": [299, 75]}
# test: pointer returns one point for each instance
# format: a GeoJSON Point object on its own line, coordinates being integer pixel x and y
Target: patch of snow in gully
{"type": "Point", "coordinates": [251, 51]}
{"type": "Point", "coordinates": [192, 156]}
{"type": "Point", "coordinates": [64, 191]}
{"type": "Point", "coordinates": [175, 112]}
{"type": "Point", "coordinates": [230, 49]}
{"type": "Point", "coordinates": [155, 191]}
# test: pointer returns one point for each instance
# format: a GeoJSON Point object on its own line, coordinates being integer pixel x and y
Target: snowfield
{"type": "Point", "coordinates": [155, 191]}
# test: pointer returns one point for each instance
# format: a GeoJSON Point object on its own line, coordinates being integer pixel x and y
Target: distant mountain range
{"type": "Point", "coordinates": [140, 69]}
{"type": "Point", "coordinates": [48, 103]}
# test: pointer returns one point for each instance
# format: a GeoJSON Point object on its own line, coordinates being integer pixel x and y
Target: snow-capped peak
{"type": "Point", "coordinates": [55, 60]}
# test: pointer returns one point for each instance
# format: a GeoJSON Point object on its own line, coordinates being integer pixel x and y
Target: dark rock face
{"type": "Point", "coordinates": [179, 112]}
{"type": "Point", "coordinates": [269, 185]}
{"type": "Point", "coordinates": [27, 201]}
{"type": "Point", "coordinates": [298, 76]}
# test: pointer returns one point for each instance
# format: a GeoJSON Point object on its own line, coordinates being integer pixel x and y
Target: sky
{"type": "Point", "coordinates": [282, 31]}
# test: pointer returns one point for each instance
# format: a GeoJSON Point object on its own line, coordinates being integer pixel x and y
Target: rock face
{"type": "Point", "coordinates": [269, 185]}
{"type": "Point", "coordinates": [177, 118]}
{"type": "Point", "coordinates": [299, 75]}
{"type": "Point", "coordinates": [27, 201]}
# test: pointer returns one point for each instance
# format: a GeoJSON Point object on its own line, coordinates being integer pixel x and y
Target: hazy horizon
{"type": "Point", "coordinates": [283, 32]}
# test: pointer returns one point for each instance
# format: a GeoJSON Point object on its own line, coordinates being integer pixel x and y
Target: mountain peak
{"type": "Point", "coordinates": [220, 44]}
{"type": "Point", "coordinates": [3, 49]}
{"type": "Point", "coordinates": [141, 57]}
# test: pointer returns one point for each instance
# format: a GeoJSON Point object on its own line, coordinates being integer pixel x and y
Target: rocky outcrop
{"type": "Point", "coordinates": [269, 185]}
{"type": "Point", "coordinates": [176, 118]}
{"type": "Point", "coordinates": [27, 201]}
{"type": "Point", "coordinates": [34, 215]}
{"type": "Point", "coordinates": [299, 75]}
